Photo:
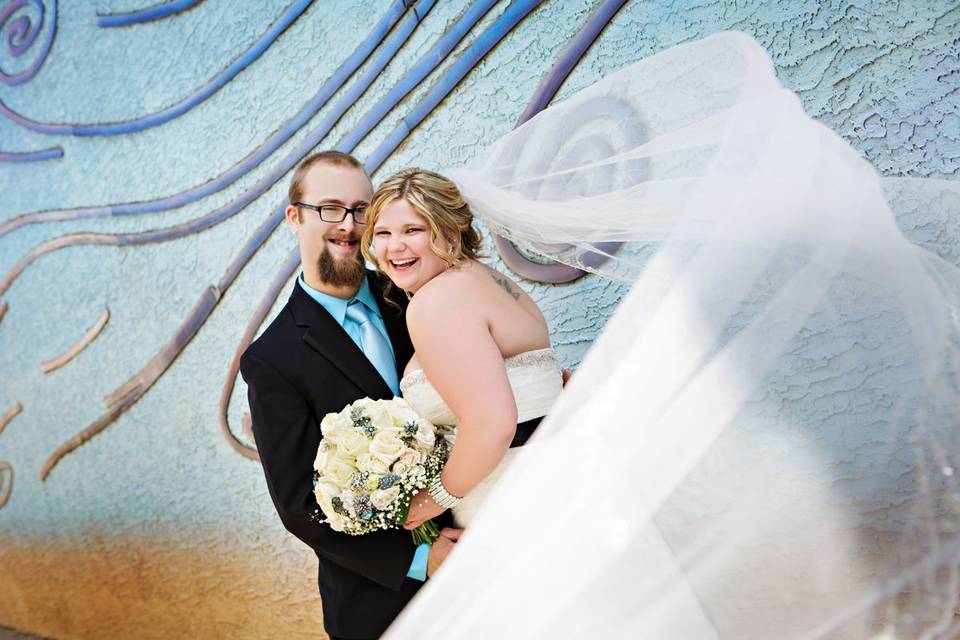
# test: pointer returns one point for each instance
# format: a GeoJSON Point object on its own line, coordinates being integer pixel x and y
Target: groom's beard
{"type": "Point", "coordinates": [340, 273]}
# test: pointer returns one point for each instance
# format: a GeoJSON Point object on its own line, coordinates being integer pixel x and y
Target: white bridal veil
{"type": "Point", "coordinates": [763, 442]}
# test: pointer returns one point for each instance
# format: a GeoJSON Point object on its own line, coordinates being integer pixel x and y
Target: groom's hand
{"type": "Point", "coordinates": [441, 548]}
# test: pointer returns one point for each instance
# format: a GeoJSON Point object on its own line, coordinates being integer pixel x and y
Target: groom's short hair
{"type": "Point", "coordinates": [331, 157]}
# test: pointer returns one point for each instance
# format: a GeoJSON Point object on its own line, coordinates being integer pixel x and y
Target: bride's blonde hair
{"type": "Point", "coordinates": [453, 237]}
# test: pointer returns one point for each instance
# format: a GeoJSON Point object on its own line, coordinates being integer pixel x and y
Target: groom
{"type": "Point", "coordinates": [337, 340]}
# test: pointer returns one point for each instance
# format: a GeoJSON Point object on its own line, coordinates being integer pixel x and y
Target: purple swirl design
{"type": "Point", "coordinates": [31, 156]}
{"type": "Point", "coordinates": [20, 33]}
{"type": "Point", "coordinates": [177, 109]}
{"type": "Point", "coordinates": [149, 14]}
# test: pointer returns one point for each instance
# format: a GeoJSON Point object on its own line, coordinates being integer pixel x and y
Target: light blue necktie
{"type": "Point", "coordinates": [372, 343]}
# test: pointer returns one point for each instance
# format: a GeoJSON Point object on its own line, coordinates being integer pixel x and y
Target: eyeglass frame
{"type": "Point", "coordinates": [346, 210]}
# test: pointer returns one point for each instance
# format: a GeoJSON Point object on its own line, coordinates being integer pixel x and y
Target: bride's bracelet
{"type": "Point", "coordinates": [441, 496]}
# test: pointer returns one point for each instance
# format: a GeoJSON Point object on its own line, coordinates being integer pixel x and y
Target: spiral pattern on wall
{"type": "Point", "coordinates": [22, 24]}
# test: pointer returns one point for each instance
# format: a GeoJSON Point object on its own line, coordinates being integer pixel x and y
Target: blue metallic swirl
{"type": "Point", "coordinates": [156, 12]}
{"type": "Point", "coordinates": [165, 115]}
{"type": "Point", "coordinates": [568, 59]}
{"type": "Point", "coordinates": [457, 71]}
{"type": "Point", "coordinates": [31, 156]}
{"type": "Point", "coordinates": [21, 32]}
{"type": "Point", "coordinates": [329, 88]}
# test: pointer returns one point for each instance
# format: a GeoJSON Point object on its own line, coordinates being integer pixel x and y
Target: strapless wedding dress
{"type": "Point", "coordinates": [536, 382]}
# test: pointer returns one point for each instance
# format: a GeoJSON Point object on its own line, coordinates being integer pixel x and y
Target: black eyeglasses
{"type": "Point", "coordinates": [337, 212]}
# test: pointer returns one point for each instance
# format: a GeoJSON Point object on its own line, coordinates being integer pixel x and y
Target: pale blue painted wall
{"type": "Point", "coordinates": [162, 482]}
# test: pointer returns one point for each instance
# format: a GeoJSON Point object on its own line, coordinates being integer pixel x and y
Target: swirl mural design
{"type": "Point", "coordinates": [157, 12]}
{"type": "Point", "coordinates": [23, 23]}
{"type": "Point", "coordinates": [131, 391]}
{"type": "Point", "coordinates": [179, 108]}
{"type": "Point", "coordinates": [52, 153]}
{"type": "Point", "coordinates": [6, 469]}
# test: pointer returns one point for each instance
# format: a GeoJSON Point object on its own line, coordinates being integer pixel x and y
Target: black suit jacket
{"type": "Point", "coordinates": [301, 368]}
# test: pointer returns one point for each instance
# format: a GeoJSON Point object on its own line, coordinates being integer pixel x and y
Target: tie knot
{"type": "Point", "coordinates": [357, 311]}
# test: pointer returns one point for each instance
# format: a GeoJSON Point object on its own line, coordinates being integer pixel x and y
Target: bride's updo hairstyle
{"type": "Point", "coordinates": [453, 237]}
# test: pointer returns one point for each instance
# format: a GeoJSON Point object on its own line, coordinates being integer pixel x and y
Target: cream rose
{"type": "Point", "coordinates": [370, 464]}
{"type": "Point", "coordinates": [402, 413]}
{"type": "Point", "coordinates": [326, 451]}
{"type": "Point", "coordinates": [334, 426]}
{"type": "Point", "coordinates": [386, 447]}
{"type": "Point", "coordinates": [380, 416]}
{"type": "Point", "coordinates": [382, 498]}
{"type": "Point", "coordinates": [409, 457]}
{"type": "Point", "coordinates": [425, 436]}
{"type": "Point", "coordinates": [347, 498]}
{"type": "Point", "coordinates": [324, 491]}
{"type": "Point", "coordinates": [337, 471]}
{"type": "Point", "coordinates": [353, 443]}
{"type": "Point", "coordinates": [337, 522]}
{"type": "Point", "coordinates": [363, 403]}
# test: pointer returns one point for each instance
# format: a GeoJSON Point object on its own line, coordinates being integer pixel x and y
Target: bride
{"type": "Point", "coordinates": [764, 440]}
{"type": "Point", "coordinates": [483, 360]}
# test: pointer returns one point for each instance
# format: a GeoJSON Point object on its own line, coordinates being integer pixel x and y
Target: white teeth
{"type": "Point", "coordinates": [403, 263]}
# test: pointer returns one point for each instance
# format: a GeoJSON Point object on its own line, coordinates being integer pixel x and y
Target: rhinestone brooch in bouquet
{"type": "Point", "coordinates": [374, 456]}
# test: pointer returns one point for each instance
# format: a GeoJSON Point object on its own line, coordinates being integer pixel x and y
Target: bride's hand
{"type": "Point", "coordinates": [422, 508]}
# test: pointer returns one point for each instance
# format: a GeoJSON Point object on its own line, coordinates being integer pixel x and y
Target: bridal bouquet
{"type": "Point", "coordinates": [374, 455]}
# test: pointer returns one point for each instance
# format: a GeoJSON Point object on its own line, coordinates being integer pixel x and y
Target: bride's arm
{"type": "Point", "coordinates": [451, 335]}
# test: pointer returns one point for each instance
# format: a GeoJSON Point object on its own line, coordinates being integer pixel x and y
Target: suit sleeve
{"type": "Point", "coordinates": [287, 435]}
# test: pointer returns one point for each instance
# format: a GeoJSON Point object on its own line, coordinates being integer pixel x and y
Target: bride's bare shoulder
{"type": "Point", "coordinates": [454, 290]}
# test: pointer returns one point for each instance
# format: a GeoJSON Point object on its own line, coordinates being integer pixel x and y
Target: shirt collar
{"type": "Point", "coordinates": [337, 307]}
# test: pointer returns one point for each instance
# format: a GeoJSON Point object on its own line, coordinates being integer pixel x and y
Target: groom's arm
{"type": "Point", "coordinates": [287, 436]}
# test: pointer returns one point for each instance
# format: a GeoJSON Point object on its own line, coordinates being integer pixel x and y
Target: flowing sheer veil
{"type": "Point", "coordinates": [762, 443]}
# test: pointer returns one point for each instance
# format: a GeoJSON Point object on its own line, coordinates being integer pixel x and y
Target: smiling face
{"type": "Point", "coordinates": [401, 239]}
{"type": "Point", "coordinates": [330, 251]}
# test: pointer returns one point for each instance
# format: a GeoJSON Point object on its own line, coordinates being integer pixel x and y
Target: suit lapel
{"type": "Point", "coordinates": [326, 336]}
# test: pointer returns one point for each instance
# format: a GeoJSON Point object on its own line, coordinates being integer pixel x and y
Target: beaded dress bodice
{"type": "Point", "coordinates": [534, 377]}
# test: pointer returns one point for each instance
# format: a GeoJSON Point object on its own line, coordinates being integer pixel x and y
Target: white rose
{"type": "Point", "coordinates": [381, 417]}
{"type": "Point", "coordinates": [363, 403]}
{"type": "Point", "coordinates": [370, 464]}
{"type": "Point", "coordinates": [382, 498]}
{"type": "Point", "coordinates": [324, 491]}
{"type": "Point", "coordinates": [337, 471]}
{"type": "Point", "coordinates": [386, 447]}
{"type": "Point", "coordinates": [347, 498]}
{"type": "Point", "coordinates": [399, 405]}
{"type": "Point", "coordinates": [325, 452]}
{"type": "Point", "coordinates": [409, 457]}
{"type": "Point", "coordinates": [400, 468]}
{"type": "Point", "coordinates": [337, 522]}
{"type": "Point", "coordinates": [353, 443]}
{"type": "Point", "coordinates": [425, 436]}
{"type": "Point", "coordinates": [402, 412]}
{"type": "Point", "coordinates": [334, 426]}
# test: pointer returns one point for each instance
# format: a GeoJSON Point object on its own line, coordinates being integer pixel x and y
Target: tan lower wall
{"type": "Point", "coordinates": [120, 588]}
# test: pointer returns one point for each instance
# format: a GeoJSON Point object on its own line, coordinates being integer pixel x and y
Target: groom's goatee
{"type": "Point", "coordinates": [339, 273]}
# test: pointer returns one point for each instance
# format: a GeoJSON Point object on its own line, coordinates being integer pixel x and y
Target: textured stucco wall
{"type": "Point", "coordinates": [156, 527]}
